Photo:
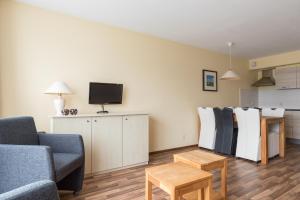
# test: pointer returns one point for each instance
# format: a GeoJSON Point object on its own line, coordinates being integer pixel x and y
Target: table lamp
{"type": "Point", "coordinates": [59, 88]}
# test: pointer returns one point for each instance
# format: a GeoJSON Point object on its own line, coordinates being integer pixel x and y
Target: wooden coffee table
{"type": "Point", "coordinates": [178, 179]}
{"type": "Point", "coordinates": [207, 161]}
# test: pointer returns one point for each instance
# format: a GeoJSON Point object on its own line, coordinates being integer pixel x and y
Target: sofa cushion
{"type": "Point", "coordinates": [18, 130]}
{"type": "Point", "coordinates": [65, 163]}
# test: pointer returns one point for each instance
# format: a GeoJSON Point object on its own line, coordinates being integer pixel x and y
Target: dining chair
{"type": "Point", "coordinates": [249, 140]}
{"type": "Point", "coordinates": [208, 128]}
{"type": "Point", "coordinates": [225, 134]}
{"type": "Point", "coordinates": [273, 112]}
{"type": "Point", "coordinates": [273, 129]}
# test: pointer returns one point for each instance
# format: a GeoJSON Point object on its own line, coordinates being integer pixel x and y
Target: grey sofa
{"type": "Point", "coordinates": [27, 156]}
{"type": "Point", "coordinates": [40, 190]}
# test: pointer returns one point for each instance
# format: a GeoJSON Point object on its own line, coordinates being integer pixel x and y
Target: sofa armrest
{"type": "Point", "coordinates": [24, 164]}
{"type": "Point", "coordinates": [40, 190]}
{"type": "Point", "coordinates": [63, 143]}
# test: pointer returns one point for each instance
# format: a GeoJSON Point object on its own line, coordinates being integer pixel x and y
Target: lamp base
{"type": "Point", "coordinates": [59, 105]}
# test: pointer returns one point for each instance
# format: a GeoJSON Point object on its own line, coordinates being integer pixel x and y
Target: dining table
{"type": "Point", "coordinates": [264, 123]}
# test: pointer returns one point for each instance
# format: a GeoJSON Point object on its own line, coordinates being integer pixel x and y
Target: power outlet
{"type": "Point", "coordinates": [253, 64]}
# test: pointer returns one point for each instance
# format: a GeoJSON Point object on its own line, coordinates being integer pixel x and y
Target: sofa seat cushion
{"type": "Point", "coordinates": [65, 163]}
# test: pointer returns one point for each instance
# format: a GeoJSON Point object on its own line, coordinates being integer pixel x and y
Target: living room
{"type": "Point", "coordinates": [170, 59]}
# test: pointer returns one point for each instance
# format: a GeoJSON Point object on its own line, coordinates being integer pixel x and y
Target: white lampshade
{"type": "Point", "coordinates": [59, 88]}
{"type": "Point", "coordinates": [230, 75]}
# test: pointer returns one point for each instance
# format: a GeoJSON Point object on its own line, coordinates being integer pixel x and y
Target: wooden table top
{"type": "Point", "coordinates": [200, 157]}
{"type": "Point", "coordinates": [269, 119]}
{"type": "Point", "coordinates": [176, 175]}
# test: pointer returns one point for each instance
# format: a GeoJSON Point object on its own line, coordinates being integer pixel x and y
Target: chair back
{"type": "Point", "coordinates": [273, 129]}
{"type": "Point", "coordinates": [208, 128]}
{"type": "Point", "coordinates": [248, 141]}
{"type": "Point", "coordinates": [273, 112]}
{"type": "Point", "coordinates": [18, 130]}
{"type": "Point", "coordinates": [224, 130]}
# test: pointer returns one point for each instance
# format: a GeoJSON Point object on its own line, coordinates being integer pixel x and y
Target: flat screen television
{"type": "Point", "coordinates": [105, 93]}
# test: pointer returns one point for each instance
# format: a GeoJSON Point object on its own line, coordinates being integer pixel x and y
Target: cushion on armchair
{"type": "Point", "coordinates": [40, 190]}
{"type": "Point", "coordinates": [18, 130]}
{"type": "Point", "coordinates": [65, 163]}
{"type": "Point", "coordinates": [30, 156]}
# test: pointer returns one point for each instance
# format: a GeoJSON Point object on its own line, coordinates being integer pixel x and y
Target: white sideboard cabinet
{"type": "Point", "coordinates": [107, 143]}
{"type": "Point", "coordinates": [112, 141]}
{"type": "Point", "coordinates": [134, 143]}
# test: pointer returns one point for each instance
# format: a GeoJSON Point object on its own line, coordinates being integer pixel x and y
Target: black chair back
{"type": "Point", "coordinates": [225, 137]}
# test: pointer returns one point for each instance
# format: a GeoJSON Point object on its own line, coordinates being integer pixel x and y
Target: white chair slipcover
{"type": "Point", "coordinates": [249, 140]}
{"type": "Point", "coordinates": [273, 129]}
{"type": "Point", "coordinates": [208, 128]}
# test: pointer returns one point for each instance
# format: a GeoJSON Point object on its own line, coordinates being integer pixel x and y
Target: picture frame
{"type": "Point", "coordinates": [209, 80]}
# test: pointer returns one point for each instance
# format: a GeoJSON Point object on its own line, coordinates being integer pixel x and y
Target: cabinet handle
{"type": "Point", "coordinates": [95, 120]}
{"type": "Point", "coordinates": [87, 121]}
{"type": "Point", "coordinates": [126, 119]}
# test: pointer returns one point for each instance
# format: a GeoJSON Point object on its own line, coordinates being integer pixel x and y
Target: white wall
{"type": "Point", "coordinates": [271, 97]}
{"type": "Point", "coordinates": [249, 97]}
{"type": "Point", "coordinates": [160, 77]}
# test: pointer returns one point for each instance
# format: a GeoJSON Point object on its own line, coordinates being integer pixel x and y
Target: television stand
{"type": "Point", "coordinates": [102, 111]}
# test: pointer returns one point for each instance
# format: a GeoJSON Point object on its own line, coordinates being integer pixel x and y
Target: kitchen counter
{"type": "Point", "coordinates": [292, 109]}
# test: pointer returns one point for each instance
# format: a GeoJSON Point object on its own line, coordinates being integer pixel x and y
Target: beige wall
{"type": "Point", "coordinates": [160, 77]}
{"type": "Point", "coordinates": [276, 60]}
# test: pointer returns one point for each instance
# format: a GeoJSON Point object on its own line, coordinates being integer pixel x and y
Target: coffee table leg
{"type": "Point", "coordinates": [208, 191]}
{"type": "Point", "coordinates": [224, 180]}
{"type": "Point", "coordinates": [174, 196]}
{"type": "Point", "coordinates": [200, 194]}
{"type": "Point", "coordinates": [148, 189]}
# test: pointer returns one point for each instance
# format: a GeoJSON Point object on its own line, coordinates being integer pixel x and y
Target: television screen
{"type": "Point", "coordinates": [105, 93]}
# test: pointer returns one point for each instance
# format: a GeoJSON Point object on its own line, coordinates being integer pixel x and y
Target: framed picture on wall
{"type": "Point", "coordinates": [209, 80]}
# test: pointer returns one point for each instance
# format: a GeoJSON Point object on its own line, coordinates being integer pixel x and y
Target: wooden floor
{"type": "Point", "coordinates": [246, 180]}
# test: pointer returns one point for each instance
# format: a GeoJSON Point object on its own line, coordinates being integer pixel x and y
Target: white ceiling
{"type": "Point", "coordinates": [257, 27]}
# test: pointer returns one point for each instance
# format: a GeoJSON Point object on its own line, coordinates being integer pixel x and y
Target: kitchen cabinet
{"type": "Point", "coordinates": [298, 76]}
{"type": "Point", "coordinates": [286, 77]}
{"type": "Point", "coordinates": [288, 124]}
{"type": "Point", "coordinates": [292, 124]}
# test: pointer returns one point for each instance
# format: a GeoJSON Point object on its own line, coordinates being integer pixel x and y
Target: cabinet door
{"type": "Point", "coordinates": [77, 126]}
{"type": "Point", "coordinates": [298, 76]}
{"type": "Point", "coordinates": [296, 125]}
{"type": "Point", "coordinates": [289, 124]}
{"type": "Point", "coordinates": [135, 139]}
{"type": "Point", "coordinates": [107, 143]}
{"type": "Point", "coordinates": [286, 77]}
